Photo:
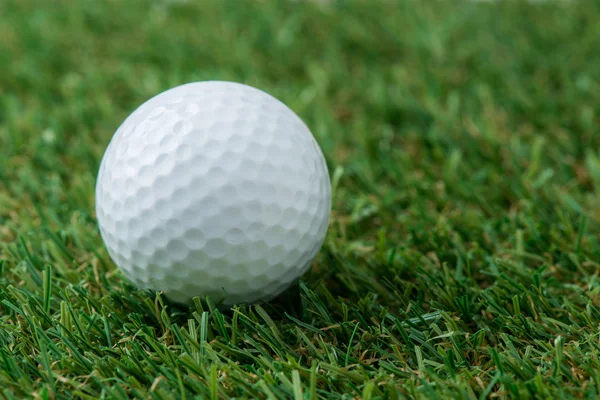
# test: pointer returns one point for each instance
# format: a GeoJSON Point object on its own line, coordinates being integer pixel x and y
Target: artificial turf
{"type": "Point", "coordinates": [463, 255]}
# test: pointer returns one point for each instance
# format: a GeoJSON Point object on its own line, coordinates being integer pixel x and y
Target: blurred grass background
{"type": "Point", "coordinates": [463, 254]}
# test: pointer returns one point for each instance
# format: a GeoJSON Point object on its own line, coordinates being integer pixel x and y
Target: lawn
{"type": "Point", "coordinates": [463, 255]}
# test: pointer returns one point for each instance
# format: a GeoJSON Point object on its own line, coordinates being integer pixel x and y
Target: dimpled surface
{"type": "Point", "coordinates": [213, 189]}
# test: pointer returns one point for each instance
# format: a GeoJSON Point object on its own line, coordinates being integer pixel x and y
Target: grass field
{"type": "Point", "coordinates": [463, 255]}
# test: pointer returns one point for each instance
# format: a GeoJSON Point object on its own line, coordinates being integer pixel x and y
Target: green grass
{"type": "Point", "coordinates": [463, 256]}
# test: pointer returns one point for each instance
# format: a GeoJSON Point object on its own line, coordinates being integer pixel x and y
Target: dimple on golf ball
{"type": "Point", "coordinates": [213, 189]}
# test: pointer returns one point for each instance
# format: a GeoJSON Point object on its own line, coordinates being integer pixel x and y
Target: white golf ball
{"type": "Point", "coordinates": [213, 189]}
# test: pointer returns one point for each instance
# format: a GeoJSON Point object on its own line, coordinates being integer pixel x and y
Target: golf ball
{"type": "Point", "coordinates": [213, 189]}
